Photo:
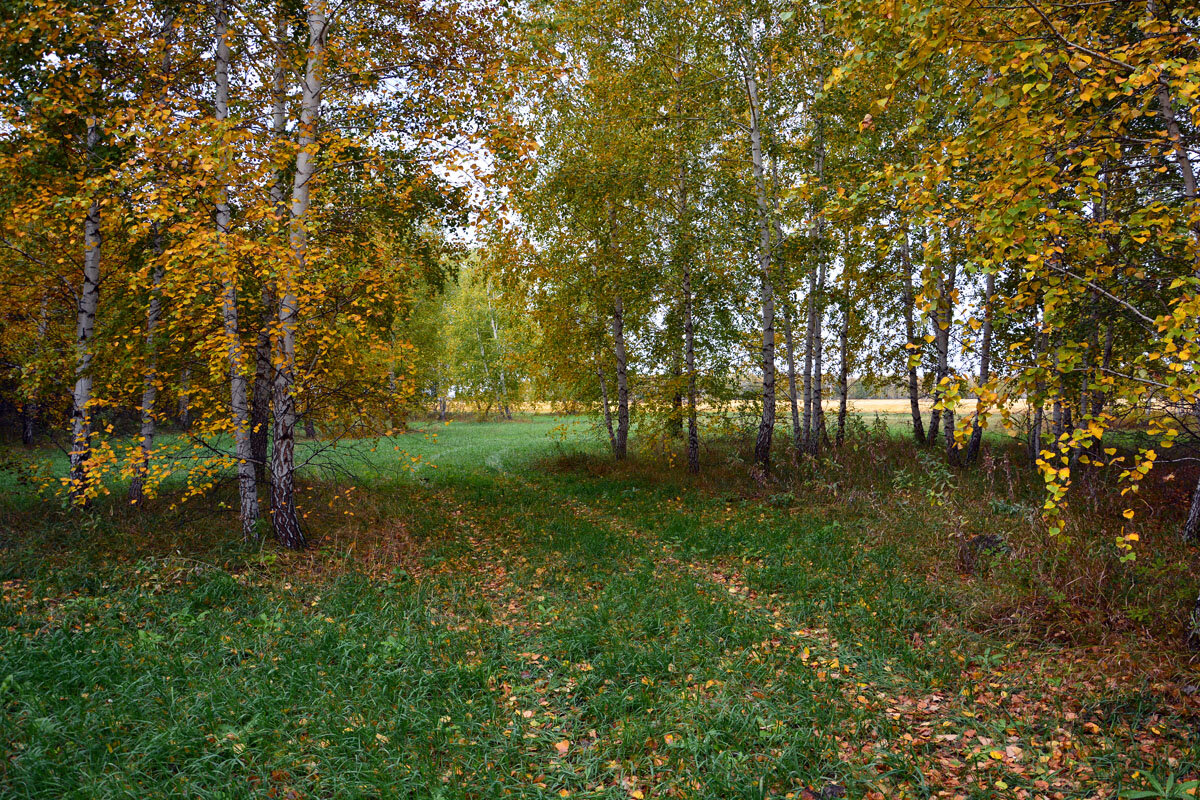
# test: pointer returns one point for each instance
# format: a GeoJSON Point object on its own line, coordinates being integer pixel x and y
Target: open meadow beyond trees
{"type": "Point", "coordinates": [600, 398]}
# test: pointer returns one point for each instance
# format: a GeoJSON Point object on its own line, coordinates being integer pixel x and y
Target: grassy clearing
{"type": "Point", "coordinates": [526, 619]}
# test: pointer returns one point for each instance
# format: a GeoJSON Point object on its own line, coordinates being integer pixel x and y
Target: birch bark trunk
{"type": "Point", "coordinates": [239, 410]}
{"type": "Point", "coordinates": [85, 328]}
{"type": "Point", "coordinates": [283, 457]}
{"type": "Point", "coordinates": [948, 414]}
{"type": "Point", "coordinates": [810, 323]}
{"type": "Point", "coordinates": [608, 421]}
{"type": "Point", "coordinates": [985, 367]}
{"type": "Point", "coordinates": [820, 437]}
{"type": "Point", "coordinates": [844, 347]}
{"type": "Point", "coordinates": [914, 347]}
{"type": "Point", "coordinates": [689, 328]}
{"type": "Point", "coordinates": [618, 331]}
{"type": "Point", "coordinates": [264, 377]}
{"type": "Point", "coordinates": [766, 427]}
{"type": "Point", "coordinates": [788, 330]}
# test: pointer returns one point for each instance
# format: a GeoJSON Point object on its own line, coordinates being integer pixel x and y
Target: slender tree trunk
{"type": "Point", "coordinates": [788, 328]}
{"type": "Point", "coordinates": [766, 427]}
{"type": "Point", "coordinates": [941, 322]}
{"type": "Point", "coordinates": [283, 459]}
{"type": "Point", "coordinates": [608, 421]}
{"type": "Point", "coordinates": [689, 329]}
{"type": "Point", "coordinates": [264, 373]}
{"type": "Point", "coordinates": [814, 414]}
{"type": "Point", "coordinates": [618, 331]}
{"type": "Point", "coordinates": [793, 397]}
{"type": "Point", "coordinates": [184, 411]}
{"type": "Point", "coordinates": [810, 319]}
{"type": "Point", "coordinates": [914, 347]}
{"type": "Point", "coordinates": [951, 443]}
{"type": "Point", "coordinates": [85, 327]}
{"type": "Point", "coordinates": [844, 367]}
{"type": "Point", "coordinates": [483, 360]}
{"type": "Point", "coordinates": [952, 450]}
{"type": "Point", "coordinates": [29, 412]}
{"type": "Point", "coordinates": [850, 262]}
{"type": "Point", "coordinates": [1099, 396]}
{"type": "Point", "coordinates": [239, 409]}
{"type": "Point", "coordinates": [30, 408]}
{"type": "Point", "coordinates": [820, 435]}
{"type": "Point", "coordinates": [260, 404]}
{"type": "Point", "coordinates": [985, 368]}
{"type": "Point", "coordinates": [504, 407]}
{"type": "Point", "coordinates": [1166, 110]}
{"type": "Point", "coordinates": [154, 308]}
{"type": "Point", "coordinates": [137, 484]}
{"type": "Point", "coordinates": [1191, 527]}
{"type": "Point", "coordinates": [1035, 428]}
{"type": "Point", "coordinates": [675, 422]}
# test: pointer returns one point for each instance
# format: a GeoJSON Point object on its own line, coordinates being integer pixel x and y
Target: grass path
{"type": "Point", "coordinates": [545, 630]}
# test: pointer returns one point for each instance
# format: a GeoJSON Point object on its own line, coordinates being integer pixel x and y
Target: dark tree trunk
{"type": "Point", "coordinates": [913, 346]}
{"type": "Point", "coordinates": [942, 320]}
{"type": "Point", "coordinates": [820, 437]}
{"type": "Point", "coordinates": [137, 483]}
{"type": "Point", "coordinates": [1036, 417]}
{"type": "Point", "coordinates": [693, 434]}
{"type": "Point", "coordinates": [843, 376]}
{"type": "Point", "coordinates": [184, 411]}
{"type": "Point", "coordinates": [29, 412]}
{"type": "Point", "coordinates": [985, 368]}
{"type": "Point", "coordinates": [1192, 629]}
{"type": "Point", "coordinates": [682, 247]}
{"type": "Point", "coordinates": [844, 342]}
{"type": "Point", "coordinates": [618, 330]}
{"type": "Point", "coordinates": [675, 422]}
{"type": "Point", "coordinates": [810, 321]}
{"type": "Point", "coordinates": [1191, 527]}
{"type": "Point", "coordinates": [260, 403]}
{"type": "Point", "coordinates": [793, 397]}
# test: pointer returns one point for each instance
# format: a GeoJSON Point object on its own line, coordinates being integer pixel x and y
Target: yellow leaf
{"type": "Point", "coordinates": [997, 754]}
{"type": "Point", "coordinates": [1128, 513]}
{"type": "Point", "coordinates": [636, 794]}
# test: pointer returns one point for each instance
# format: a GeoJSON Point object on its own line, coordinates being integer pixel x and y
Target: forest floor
{"type": "Point", "coordinates": [513, 616]}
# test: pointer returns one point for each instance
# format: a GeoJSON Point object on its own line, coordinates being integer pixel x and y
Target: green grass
{"type": "Point", "coordinates": [524, 619]}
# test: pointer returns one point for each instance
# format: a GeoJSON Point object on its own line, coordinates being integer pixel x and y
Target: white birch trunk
{"type": "Point", "coordinates": [85, 327]}
{"type": "Point", "coordinates": [239, 410]}
{"type": "Point", "coordinates": [766, 295]}
{"type": "Point", "coordinates": [283, 461]}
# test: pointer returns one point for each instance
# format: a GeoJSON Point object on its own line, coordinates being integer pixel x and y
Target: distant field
{"type": "Point", "coordinates": [867, 406]}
